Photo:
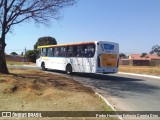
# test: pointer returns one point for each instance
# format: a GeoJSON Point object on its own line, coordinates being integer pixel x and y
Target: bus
{"type": "Point", "coordinates": [83, 57]}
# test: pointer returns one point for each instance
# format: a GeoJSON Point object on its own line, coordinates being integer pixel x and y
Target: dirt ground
{"type": "Point", "coordinates": [33, 90]}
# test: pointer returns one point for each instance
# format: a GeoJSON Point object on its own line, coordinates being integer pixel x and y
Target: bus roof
{"type": "Point", "coordinates": [73, 44]}
{"type": "Point", "coordinates": [70, 44]}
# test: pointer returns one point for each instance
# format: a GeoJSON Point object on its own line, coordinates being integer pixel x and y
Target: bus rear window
{"type": "Point", "coordinates": [108, 46]}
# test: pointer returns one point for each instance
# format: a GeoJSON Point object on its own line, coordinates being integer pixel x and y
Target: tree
{"type": "Point", "coordinates": [13, 12]}
{"type": "Point", "coordinates": [31, 55]}
{"type": "Point", "coordinates": [45, 41]}
{"type": "Point", "coordinates": [13, 53]}
{"type": "Point", "coordinates": [155, 50]}
{"type": "Point", "coordinates": [143, 54]}
{"type": "Point", "coordinates": [122, 55]}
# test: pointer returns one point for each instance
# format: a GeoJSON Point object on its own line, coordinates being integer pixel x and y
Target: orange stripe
{"type": "Point", "coordinates": [72, 44]}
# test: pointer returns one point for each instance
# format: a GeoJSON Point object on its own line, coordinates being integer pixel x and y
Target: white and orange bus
{"type": "Point", "coordinates": [85, 57]}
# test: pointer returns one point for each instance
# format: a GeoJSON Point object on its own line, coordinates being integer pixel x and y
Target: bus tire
{"type": "Point", "coordinates": [43, 66]}
{"type": "Point", "coordinates": [69, 69]}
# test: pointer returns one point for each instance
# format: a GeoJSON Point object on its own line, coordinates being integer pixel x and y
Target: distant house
{"type": "Point", "coordinates": [147, 57]}
{"type": "Point", "coordinates": [153, 57]}
{"type": "Point", "coordinates": [138, 60]}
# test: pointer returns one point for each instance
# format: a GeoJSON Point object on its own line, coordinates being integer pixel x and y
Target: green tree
{"type": "Point", "coordinates": [143, 54]}
{"type": "Point", "coordinates": [31, 55]}
{"type": "Point", "coordinates": [155, 50]}
{"type": "Point", "coordinates": [13, 53]}
{"type": "Point", "coordinates": [13, 12]}
{"type": "Point", "coordinates": [45, 41]}
{"type": "Point", "coordinates": [122, 55]}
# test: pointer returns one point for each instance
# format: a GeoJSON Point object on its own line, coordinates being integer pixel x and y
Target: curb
{"type": "Point", "coordinates": [107, 103]}
{"type": "Point", "coordinates": [140, 75]}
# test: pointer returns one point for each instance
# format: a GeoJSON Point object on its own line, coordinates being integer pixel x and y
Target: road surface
{"type": "Point", "coordinates": [124, 92]}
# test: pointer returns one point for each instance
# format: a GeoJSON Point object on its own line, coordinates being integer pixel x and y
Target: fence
{"type": "Point", "coordinates": [154, 63]}
{"type": "Point", "coordinates": [15, 58]}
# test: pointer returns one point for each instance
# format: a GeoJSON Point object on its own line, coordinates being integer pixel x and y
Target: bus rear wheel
{"type": "Point", "coordinates": [69, 69]}
{"type": "Point", "coordinates": [43, 66]}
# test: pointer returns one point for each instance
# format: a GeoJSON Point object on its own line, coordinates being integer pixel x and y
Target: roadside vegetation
{"type": "Point", "coordinates": [19, 63]}
{"type": "Point", "coordinates": [34, 90]}
{"type": "Point", "coordinates": [148, 70]}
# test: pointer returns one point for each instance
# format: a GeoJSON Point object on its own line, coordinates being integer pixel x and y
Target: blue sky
{"type": "Point", "coordinates": [134, 24]}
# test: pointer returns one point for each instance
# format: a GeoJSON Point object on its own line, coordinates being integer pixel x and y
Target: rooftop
{"type": "Point", "coordinates": [146, 57]}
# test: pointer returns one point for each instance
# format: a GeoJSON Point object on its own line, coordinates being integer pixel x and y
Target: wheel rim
{"type": "Point", "coordinates": [69, 69]}
{"type": "Point", "coordinates": [43, 66]}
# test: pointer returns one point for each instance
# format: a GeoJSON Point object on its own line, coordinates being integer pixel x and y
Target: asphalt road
{"type": "Point", "coordinates": [124, 92]}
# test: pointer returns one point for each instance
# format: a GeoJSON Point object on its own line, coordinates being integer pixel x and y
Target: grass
{"type": "Point", "coordinates": [33, 90]}
{"type": "Point", "coordinates": [141, 70]}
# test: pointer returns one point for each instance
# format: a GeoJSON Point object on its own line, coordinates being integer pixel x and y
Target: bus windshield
{"type": "Point", "coordinates": [108, 46]}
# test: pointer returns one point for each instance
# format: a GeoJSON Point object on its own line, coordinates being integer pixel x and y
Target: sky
{"type": "Point", "coordinates": [134, 24]}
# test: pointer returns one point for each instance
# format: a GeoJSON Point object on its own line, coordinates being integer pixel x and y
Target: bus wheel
{"type": "Point", "coordinates": [43, 66]}
{"type": "Point", "coordinates": [69, 69]}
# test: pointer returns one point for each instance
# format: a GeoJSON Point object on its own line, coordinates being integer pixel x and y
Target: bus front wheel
{"type": "Point", "coordinates": [69, 69]}
{"type": "Point", "coordinates": [43, 66]}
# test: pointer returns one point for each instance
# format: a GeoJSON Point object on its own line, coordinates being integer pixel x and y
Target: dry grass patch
{"type": "Point", "coordinates": [141, 70]}
{"type": "Point", "coordinates": [19, 63]}
{"type": "Point", "coordinates": [33, 90]}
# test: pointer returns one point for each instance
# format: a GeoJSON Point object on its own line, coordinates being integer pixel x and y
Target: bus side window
{"type": "Point", "coordinates": [65, 51]}
{"type": "Point", "coordinates": [85, 51]}
{"type": "Point", "coordinates": [79, 51]}
{"type": "Point", "coordinates": [50, 52]}
{"type": "Point", "coordinates": [91, 50]}
{"type": "Point", "coordinates": [44, 51]}
{"type": "Point", "coordinates": [69, 51]}
{"type": "Point", "coordinates": [56, 51]}
{"type": "Point", "coordinates": [88, 50]}
{"type": "Point", "coordinates": [74, 52]}
{"type": "Point", "coordinates": [53, 52]}
{"type": "Point", "coordinates": [62, 52]}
